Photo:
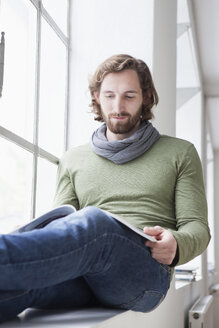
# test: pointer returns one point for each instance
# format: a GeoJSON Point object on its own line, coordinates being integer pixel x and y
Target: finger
{"type": "Point", "coordinates": [157, 244]}
{"type": "Point", "coordinates": [149, 243]}
{"type": "Point", "coordinates": [153, 231]}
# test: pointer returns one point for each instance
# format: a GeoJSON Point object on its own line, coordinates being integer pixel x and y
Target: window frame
{"type": "Point", "coordinates": [33, 146]}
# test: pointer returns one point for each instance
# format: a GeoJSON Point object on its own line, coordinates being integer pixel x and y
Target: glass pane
{"type": "Point", "coordinates": [190, 129]}
{"type": "Point", "coordinates": [58, 10]}
{"type": "Point", "coordinates": [46, 185]}
{"type": "Point", "coordinates": [187, 75]}
{"type": "Point", "coordinates": [18, 21]}
{"type": "Point", "coordinates": [15, 186]}
{"type": "Point", "coordinates": [52, 91]}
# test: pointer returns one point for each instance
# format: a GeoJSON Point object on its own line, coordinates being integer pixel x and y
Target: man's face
{"type": "Point", "coordinates": [120, 98]}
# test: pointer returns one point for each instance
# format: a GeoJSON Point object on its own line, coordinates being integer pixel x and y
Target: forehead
{"type": "Point", "coordinates": [121, 81]}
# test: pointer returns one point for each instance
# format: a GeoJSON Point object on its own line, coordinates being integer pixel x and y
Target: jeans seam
{"type": "Point", "coordinates": [14, 296]}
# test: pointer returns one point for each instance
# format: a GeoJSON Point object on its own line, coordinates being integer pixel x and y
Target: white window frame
{"type": "Point", "coordinates": [33, 147]}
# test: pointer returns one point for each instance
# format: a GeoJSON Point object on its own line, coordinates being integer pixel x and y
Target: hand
{"type": "Point", "coordinates": [164, 249]}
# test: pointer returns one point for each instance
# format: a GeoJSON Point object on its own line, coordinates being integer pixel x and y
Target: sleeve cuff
{"type": "Point", "coordinates": [176, 258]}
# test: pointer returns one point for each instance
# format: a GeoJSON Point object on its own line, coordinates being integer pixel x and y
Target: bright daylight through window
{"type": "Point", "coordinates": [33, 105]}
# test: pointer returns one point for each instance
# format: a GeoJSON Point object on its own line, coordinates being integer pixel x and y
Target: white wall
{"type": "Point", "coordinates": [101, 29]}
{"type": "Point", "coordinates": [164, 64]}
{"type": "Point", "coordinates": [104, 28]}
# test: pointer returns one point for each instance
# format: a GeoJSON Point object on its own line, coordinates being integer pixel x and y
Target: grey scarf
{"type": "Point", "coordinates": [125, 150]}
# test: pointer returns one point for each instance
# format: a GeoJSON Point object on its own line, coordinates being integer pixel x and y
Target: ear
{"type": "Point", "coordinates": [97, 97]}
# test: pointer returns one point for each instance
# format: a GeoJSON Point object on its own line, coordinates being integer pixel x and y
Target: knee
{"type": "Point", "coordinates": [146, 302]}
{"type": "Point", "coordinates": [149, 301]}
{"type": "Point", "coordinates": [96, 216]}
{"type": "Point", "coordinates": [92, 211]}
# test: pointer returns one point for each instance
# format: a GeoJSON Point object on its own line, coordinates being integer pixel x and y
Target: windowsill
{"type": "Point", "coordinates": [183, 283]}
{"type": "Point", "coordinates": [180, 284]}
{"type": "Point", "coordinates": [77, 318]}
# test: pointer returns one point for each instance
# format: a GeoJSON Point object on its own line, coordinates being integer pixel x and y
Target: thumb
{"type": "Point", "coordinates": [153, 231]}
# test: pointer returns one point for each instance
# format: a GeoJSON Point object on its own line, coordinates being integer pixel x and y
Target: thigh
{"type": "Point", "coordinates": [67, 295]}
{"type": "Point", "coordinates": [63, 250]}
{"type": "Point", "coordinates": [133, 279]}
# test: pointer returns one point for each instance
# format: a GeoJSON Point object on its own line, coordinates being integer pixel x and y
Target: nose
{"type": "Point", "coordinates": [118, 104]}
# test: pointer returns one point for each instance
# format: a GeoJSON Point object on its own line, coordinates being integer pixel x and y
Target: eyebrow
{"type": "Point", "coordinates": [128, 91]}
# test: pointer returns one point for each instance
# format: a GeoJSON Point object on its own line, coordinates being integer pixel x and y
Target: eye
{"type": "Point", "coordinates": [109, 96]}
{"type": "Point", "coordinates": [129, 97]}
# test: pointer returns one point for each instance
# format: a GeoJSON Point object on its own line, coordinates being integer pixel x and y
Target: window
{"type": "Point", "coordinates": [18, 20]}
{"type": "Point", "coordinates": [33, 106]}
{"type": "Point", "coordinates": [189, 94]}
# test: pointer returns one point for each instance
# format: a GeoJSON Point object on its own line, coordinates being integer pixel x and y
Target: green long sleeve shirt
{"type": "Point", "coordinates": [164, 186]}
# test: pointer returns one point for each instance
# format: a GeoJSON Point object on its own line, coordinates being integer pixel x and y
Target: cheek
{"type": "Point", "coordinates": [105, 105]}
{"type": "Point", "coordinates": [134, 106]}
{"type": "Point", "coordinates": [139, 105]}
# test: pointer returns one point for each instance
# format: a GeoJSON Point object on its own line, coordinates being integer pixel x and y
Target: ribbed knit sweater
{"type": "Point", "coordinates": [164, 186]}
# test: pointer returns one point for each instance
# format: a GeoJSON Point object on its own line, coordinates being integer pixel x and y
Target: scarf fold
{"type": "Point", "coordinates": [123, 151]}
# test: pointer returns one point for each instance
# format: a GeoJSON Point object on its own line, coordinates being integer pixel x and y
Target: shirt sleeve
{"type": "Point", "coordinates": [65, 192]}
{"type": "Point", "coordinates": [192, 233]}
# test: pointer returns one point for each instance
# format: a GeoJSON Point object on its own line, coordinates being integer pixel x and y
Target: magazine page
{"type": "Point", "coordinates": [137, 230]}
{"type": "Point", "coordinates": [44, 219]}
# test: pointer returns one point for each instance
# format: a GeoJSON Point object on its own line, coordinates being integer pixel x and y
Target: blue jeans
{"type": "Point", "coordinates": [84, 259]}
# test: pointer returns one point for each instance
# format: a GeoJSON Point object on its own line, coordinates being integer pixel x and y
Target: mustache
{"type": "Point", "coordinates": [118, 114]}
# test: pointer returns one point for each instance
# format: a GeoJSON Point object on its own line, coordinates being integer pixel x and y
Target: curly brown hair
{"type": "Point", "coordinates": [118, 63]}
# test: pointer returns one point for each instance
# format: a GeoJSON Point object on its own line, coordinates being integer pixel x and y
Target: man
{"type": "Point", "coordinates": [153, 182]}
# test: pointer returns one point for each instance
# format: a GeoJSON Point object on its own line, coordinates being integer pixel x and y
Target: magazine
{"type": "Point", "coordinates": [46, 218]}
{"type": "Point", "coordinates": [65, 210]}
{"type": "Point", "coordinates": [129, 225]}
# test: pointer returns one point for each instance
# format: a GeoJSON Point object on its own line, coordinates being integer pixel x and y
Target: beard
{"type": "Point", "coordinates": [122, 127]}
